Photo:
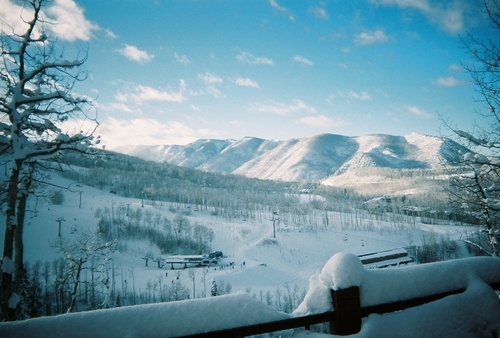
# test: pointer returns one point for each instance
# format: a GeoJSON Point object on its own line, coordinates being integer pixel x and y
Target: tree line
{"type": "Point", "coordinates": [171, 235]}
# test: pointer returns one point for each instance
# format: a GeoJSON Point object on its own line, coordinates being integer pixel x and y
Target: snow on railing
{"type": "Point", "coordinates": [342, 293]}
{"type": "Point", "coordinates": [379, 286]}
{"type": "Point", "coordinates": [352, 292]}
{"type": "Point", "coordinates": [172, 319]}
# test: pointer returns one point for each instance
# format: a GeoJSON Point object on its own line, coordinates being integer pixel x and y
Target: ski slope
{"type": "Point", "coordinates": [254, 262]}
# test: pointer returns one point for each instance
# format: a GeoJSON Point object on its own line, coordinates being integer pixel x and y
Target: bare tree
{"type": "Point", "coordinates": [477, 190]}
{"type": "Point", "coordinates": [182, 227]}
{"type": "Point", "coordinates": [86, 250]}
{"type": "Point", "coordinates": [37, 97]}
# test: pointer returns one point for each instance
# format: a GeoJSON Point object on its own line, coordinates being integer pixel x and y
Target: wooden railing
{"type": "Point", "coordinates": [358, 293]}
{"type": "Point", "coordinates": [345, 319]}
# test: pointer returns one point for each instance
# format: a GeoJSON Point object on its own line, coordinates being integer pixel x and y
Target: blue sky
{"type": "Point", "coordinates": [171, 72]}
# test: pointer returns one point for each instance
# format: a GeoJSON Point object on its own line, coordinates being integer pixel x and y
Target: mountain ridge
{"type": "Point", "coordinates": [314, 158]}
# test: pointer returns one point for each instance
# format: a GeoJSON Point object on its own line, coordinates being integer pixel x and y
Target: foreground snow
{"type": "Point", "coordinates": [154, 320]}
{"type": "Point", "coordinates": [380, 286]}
{"type": "Point", "coordinates": [473, 313]}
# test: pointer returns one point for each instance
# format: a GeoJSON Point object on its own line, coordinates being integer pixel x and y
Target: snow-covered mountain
{"type": "Point", "coordinates": [306, 159]}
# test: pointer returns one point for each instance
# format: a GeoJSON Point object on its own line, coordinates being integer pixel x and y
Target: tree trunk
{"type": "Point", "coordinates": [74, 291]}
{"type": "Point", "coordinates": [8, 247]}
{"type": "Point", "coordinates": [18, 233]}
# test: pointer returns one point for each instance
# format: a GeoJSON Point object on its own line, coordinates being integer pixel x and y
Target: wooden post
{"type": "Point", "coordinates": [347, 311]}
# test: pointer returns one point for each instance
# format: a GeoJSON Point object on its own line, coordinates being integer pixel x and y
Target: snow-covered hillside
{"type": "Point", "coordinates": [255, 262]}
{"type": "Point", "coordinates": [237, 154]}
{"type": "Point", "coordinates": [307, 159]}
{"type": "Point", "coordinates": [192, 155]}
{"type": "Point", "coordinates": [269, 256]}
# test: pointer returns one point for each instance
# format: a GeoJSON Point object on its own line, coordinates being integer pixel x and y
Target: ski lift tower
{"type": "Point", "coordinates": [59, 221]}
{"type": "Point", "coordinates": [274, 219]}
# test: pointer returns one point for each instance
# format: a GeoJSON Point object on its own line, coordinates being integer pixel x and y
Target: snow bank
{"type": "Point", "coordinates": [380, 286]}
{"type": "Point", "coordinates": [154, 320]}
{"type": "Point", "coordinates": [391, 285]}
{"type": "Point", "coordinates": [472, 313]}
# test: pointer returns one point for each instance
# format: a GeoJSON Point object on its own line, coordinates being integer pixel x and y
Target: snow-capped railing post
{"type": "Point", "coordinates": [341, 279]}
{"type": "Point", "coordinates": [345, 292]}
{"type": "Point", "coordinates": [347, 305]}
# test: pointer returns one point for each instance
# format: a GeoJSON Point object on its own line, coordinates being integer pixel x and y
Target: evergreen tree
{"type": "Point", "coordinates": [31, 293]}
{"type": "Point", "coordinates": [34, 296]}
{"type": "Point", "coordinates": [214, 290]}
{"type": "Point", "coordinates": [118, 301]}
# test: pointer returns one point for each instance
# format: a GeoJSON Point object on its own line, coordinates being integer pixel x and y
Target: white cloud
{"type": "Point", "coordinates": [214, 92]}
{"type": "Point", "coordinates": [371, 37]}
{"type": "Point", "coordinates": [110, 34]}
{"type": "Point", "coordinates": [210, 78]}
{"type": "Point", "coordinates": [321, 121]}
{"type": "Point", "coordinates": [183, 59]}
{"type": "Point", "coordinates": [116, 133]}
{"type": "Point", "coordinates": [194, 107]}
{"type": "Point", "coordinates": [246, 82]}
{"type": "Point", "coordinates": [70, 22]}
{"type": "Point", "coordinates": [63, 18]}
{"type": "Point", "coordinates": [455, 67]}
{"type": "Point", "coordinates": [282, 108]}
{"type": "Point", "coordinates": [135, 54]}
{"type": "Point", "coordinates": [362, 96]}
{"type": "Point", "coordinates": [117, 107]}
{"type": "Point", "coordinates": [302, 60]}
{"type": "Point", "coordinates": [140, 94]}
{"type": "Point", "coordinates": [449, 15]}
{"type": "Point", "coordinates": [448, 81]}
{"type": "Point", "coordinates": [9, 17]}
{"type": "Point", "coordinates": [245, 57]}
{"type": "Point", "coordinates": [319, 12]}
{"type": "Point", "coordinates": [451, 20]}
{"type": "Point", "coordinates": [78, 126]}
{"type": "Point", "coordinates": [419, 112]}
{"type": "Point", "coordinates": [276, 6]}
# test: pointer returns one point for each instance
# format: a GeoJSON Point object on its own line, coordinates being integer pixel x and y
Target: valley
{"type": "Point", "coordinates": [274, 235]}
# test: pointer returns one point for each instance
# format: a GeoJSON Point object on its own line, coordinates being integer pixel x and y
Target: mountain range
{"type": "Point", "coordinates": [316, 158]}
